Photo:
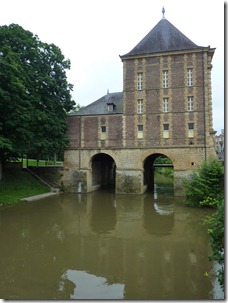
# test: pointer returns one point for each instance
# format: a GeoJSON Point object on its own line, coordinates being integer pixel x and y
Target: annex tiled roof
{"type": "Point", "coordinates": [100, 106]}
{"type": "Point", "coordinates": [162, 38]}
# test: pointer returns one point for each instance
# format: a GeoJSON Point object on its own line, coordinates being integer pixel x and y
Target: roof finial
{"type": "Point", "coordinates": [163, 12]}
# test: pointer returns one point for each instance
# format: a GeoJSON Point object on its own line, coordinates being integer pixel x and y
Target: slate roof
{"type": "Point", "coordinates": [100, 106]}
{"type": "Point", "coordinates": [162, 38]}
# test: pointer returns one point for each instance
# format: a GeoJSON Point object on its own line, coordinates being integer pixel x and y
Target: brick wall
{"type": "Point", "coordinates": [85, 131]}
{"type": "Point", "coordinates": [74, 131]}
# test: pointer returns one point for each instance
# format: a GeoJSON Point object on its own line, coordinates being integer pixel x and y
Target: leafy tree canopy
{"type": "Point", "coordinates": [34, 95]}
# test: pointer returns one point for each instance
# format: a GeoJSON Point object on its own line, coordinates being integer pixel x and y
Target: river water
{"type": "Point", "coordinates": [106, 246]}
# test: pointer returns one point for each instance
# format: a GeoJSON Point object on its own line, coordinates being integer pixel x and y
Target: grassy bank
{"type": "Point", "coordinates": [18, 184]}
{"type": "Point", "coordinates": [33, 162]}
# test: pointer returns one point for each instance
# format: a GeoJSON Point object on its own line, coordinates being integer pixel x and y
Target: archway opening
{"type": "Point", "coordinates": [156, 164]}
{"type": "Point", "coordinates": [103, 171]}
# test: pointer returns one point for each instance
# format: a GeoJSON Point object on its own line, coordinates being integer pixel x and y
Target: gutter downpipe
{"type": "Point", "coordinates": [80, 144]}
{"type": "Point", "coordinates": [204, 105]}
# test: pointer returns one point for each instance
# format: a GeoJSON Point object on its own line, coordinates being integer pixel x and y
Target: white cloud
{"type": "Point", "coordinates": [92, 34]}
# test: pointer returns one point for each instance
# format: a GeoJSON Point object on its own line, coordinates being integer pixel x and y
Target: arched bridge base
{"type": "Point", "coordinates": [128, 171]}
{"type": "Point", "coordinates": [126, 182]}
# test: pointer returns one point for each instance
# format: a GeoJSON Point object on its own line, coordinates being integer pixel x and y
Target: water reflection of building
{"type": "Point", "coordinates": [140, 247]}
{"type": "Point", "coordinates": [59, 236]}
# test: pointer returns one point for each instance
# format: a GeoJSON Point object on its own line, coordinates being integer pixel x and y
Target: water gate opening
{"type": "Point", "coordinates": [156, 163]}
{"type": "Point", "coordinates": [103, 171]}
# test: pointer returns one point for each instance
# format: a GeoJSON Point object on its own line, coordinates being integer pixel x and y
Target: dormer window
{"type": "Point", "coordinates": [110, 107]}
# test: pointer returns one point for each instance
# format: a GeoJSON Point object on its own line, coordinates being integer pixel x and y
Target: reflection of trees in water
{"type": "Point", "coordinates": [158, 216]}
{"type": "Point", "coordinates": [159, 208]}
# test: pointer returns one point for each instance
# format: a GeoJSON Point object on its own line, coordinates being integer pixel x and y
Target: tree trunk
{"type": "Point", "coordinates": [0, 170]}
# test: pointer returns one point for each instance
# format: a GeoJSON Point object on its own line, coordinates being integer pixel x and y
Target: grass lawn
{"type": "Point", "coordinates": [18, 184]}
{"type": "Point", "coordinates": [33, 162]}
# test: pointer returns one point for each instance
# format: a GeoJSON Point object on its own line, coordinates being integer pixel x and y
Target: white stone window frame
{"type": "Point", "coordinates": [166, 105]}
{"type": "Point", "coordinates": [140, 106]}
{"type": "Point", "coordinates": [165, 79]}
{"type": "Point", "coordinates": [190, 103]}
{"type": "Point", "coordinates": [139, 81]}
{"type": "Point", "coordinates": [190, 76]}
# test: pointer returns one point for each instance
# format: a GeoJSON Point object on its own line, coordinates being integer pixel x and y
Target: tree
{"type": "Point", "coordinates": [204, 182]}
{"type": "Point", "coordinates": [34, 95]}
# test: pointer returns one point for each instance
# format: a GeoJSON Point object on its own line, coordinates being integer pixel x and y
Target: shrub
{"type": "Point", "coordinates": [215, 224]}
{"type": "Point", "coordinates": [205, 182]}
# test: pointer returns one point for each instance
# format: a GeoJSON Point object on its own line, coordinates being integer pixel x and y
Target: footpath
{"type": "Point", "coordinates": [38, 197]}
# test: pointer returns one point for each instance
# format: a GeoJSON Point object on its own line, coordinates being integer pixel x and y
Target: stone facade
{"type": "Point", "coordinates": [165, 109]}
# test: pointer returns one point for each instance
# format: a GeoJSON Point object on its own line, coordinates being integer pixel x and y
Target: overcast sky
{"type": "Point", "coordinates": [93, 33]}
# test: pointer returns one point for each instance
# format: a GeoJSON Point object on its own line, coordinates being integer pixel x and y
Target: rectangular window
{"type": "Point", "coordinates": [190, 126]}
{"type": "Point", "coordinates": [103, 132]}
{"type": "Point", "coordinates": [165, 131]}
{"type": "Point", "coordinates": [165, 79]}
{"type": "Point", "coordinates": [166, 126]}
{"type": "Point", "coordinates": [103, 129]}
{"type": "Point", "coordinates": [140, 106]}
{"type": "Point", "coordinates": [190, 104]}
{"type": "Point", "coordinates": [110, 107]}
{"type": "Point", "coordinates": [166, 105]}
{"type": "Point", "coordinates": [140, 131]}
{"type": "Point", "coordinates": [140, 128]}
{"type": "Point", "coordinates": [191, 130]}
{"type": "Point", "coordinates": [189, 76]}
{"type": "Point", "coordinates": [139, 81]}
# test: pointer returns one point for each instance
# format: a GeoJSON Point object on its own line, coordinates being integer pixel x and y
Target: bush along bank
{"type": "Point", "coordinates": [205, 187]}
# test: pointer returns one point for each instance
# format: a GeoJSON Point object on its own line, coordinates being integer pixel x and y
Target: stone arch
{"type": "Point", "coordinates": [148, 168]}
{"type": "Point", "coordinates": [103, 170]}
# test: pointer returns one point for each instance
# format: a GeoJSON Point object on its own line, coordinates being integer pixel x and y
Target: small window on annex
{"type": "Point", "coordinates": [103, 132]}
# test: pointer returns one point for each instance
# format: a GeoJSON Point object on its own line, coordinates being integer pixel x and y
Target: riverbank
{"type": "Point", "coordinates": [18, 184]}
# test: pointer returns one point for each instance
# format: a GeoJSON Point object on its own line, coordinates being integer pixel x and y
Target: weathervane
{"type": "Point", "coordinates": [163, 12]}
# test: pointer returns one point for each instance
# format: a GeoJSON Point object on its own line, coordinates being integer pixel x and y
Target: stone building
{"type": "Point", "coordinates": [220, 146]}
{"type": "Point", "coordinates": [165, 109]}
